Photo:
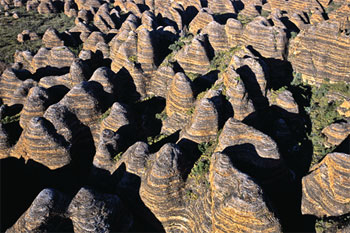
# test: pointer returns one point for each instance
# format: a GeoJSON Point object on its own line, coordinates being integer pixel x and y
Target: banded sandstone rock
{"type": "Point", "coordinates": [179, 101]}
{"type": "Point", "coordinates": [161, 80]}
{"type": "Point", "coordinates": [106, 150]}
{"type": "Point", "coordinates": [145, 51]}
{"type": "Point", "coordinates": [9, 82]}
{"type": "Point", "coordinates": [203, 18]}
{"type": "Point", "coordinates": [193, 57]}
{"type": "Point", "coordinates": [41, 143]}
{"type": "Point", "coordinates": [21, 93]}
{"type": "Point", "coordinates": [270, 41]}
{"type": "Point", "coordinates": [92, 40]}
{"type": "Point", "coordinates": [250, 147]}
{"type": "Point", "coordinates": [217, 36]}
{"type": "Point", "coordinates": [91, 211]}
{"type": "Point", "coordinates": [285, 101]}
{"type": "Point", "coordinates": [238, 202]}
{"type": "Point", "coordinates": [238, 97]}
{"type": "Point", "coordinates": [321, 51]}
{"type": "Point", "coordinates": [336, 133]}
{"type": "Point", "coordinates": [57, 57]}
{"type": "Point", "coordinates": [234, 31]}
{"type": "Point", "coordinates": [51, 38]}
{"type": "Point", "coordinates": [49, 204]}
{"type": "Point", "coordinates": [34, 105]}
{"type": "Point", "coordinates": [117, 118]}
{"type": "Point", "coordinates": [4, 143]}
{"type": "Point", "coordinates": [221, 6]}
{"type": "Point", "coordinates": [204, 124]}
{"type": "Point", "coordinates": [325, 189]}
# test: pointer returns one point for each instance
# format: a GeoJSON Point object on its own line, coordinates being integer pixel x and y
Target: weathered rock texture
{"type": "Point", "coordinates": [325, 189]}
{"type": "Point", "coordinates": [321, 52]}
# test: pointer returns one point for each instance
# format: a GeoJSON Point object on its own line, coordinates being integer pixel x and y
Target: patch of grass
{"type": "Point", "coordinates": [105, 115]}
{"type": "Point", "coordinates": [332, 7]}
{"type": "Point", "coordinates": [190, 111]}
{"type": "Point", "coordinates": [332, 224]}
{"type": "Point", "coordinates": [323, 112]}
{"type": "Point", "coordinates": [222, 59]}
{"type": "Point", "coordinates": [33, 21]}
{"type": "Point", "coordinates": [244, 19]}
{"type": "Point", "coordinates": [10, 119]}
{"type": "Point", "coordinates": [275, 93]}
{"type": "Point", "coordinates": [265, 13]}
{"type": "Point", "coordinates": [133, 58]}
{"type": "Point", "coordinates": [155, 139]}
{"type": "Point", "coordinates": [162, 116]}
{"type": "Point", "coordinates": [293, 35]}
{"type": "Point", "coordinates": [118, 156]}
{"type": "Point", "coordinates": [192, 76]}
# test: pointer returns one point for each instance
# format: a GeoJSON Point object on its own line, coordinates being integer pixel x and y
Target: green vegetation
{"type": "Point", "coordinates": [293, 35]}
{"type": "Point", "coordinates": [177, 46]}
{"type": "Point", "coordinates": [332, 7]}
{"type": "Point", "coordinates": [190, 111]}
{"type": "Point", "coordinates": [201, 166]}
{"type": "Point", "coordinates": [192, 76]}
{"type": "Point", "coordinates": [133, 58]}
{"type": "Point", "coordinates": [322, 112]}
{"type": "Point", "coordinates": [244, 19]}
{"type": "Point", "coordinates": [118, 156]}
{"type": "Point", "coordinates": [181, 42]}
{"type": "Point", "coordinates": [10, 119]}
{"type": "Point", "coordinates": [332, 224]}
{"type": "Point", "coordinates": [222, 59]}
{"type": "Point", "coordinates": [265, 13]}
{"type": "Point", "coordinates": [105, 114]}
{"type": "Point", "coordinates": [10, 28]}
{"type": "Point", "coordinates": [161, 116]}
{"type": "Point", "coordinates": [275, 93]}
{"type": "Point", "coordinates": [155, 139]}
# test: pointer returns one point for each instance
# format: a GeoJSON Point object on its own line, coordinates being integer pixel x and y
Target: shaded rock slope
{"type": "Point", "coordinates": [179, 116]}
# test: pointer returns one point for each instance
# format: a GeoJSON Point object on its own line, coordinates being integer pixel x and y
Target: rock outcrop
{"type": "Point", "coordinates": [325, 189]}
{"type": "Point", "coordinates": [320, 53]}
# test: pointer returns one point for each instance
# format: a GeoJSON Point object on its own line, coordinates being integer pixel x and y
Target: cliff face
{"type": "Point", "coordinates": [179, 116]}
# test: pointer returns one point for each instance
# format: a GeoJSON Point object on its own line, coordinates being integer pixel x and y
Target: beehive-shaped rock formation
{"type": "Point", "coordinates": [49, 204]}
{"type": "Point", "coordinates": [58, 57]}
{"type": "Point", "coordinates": [51, 38]}
{"type": "Point", "coordinates": [35, 105]}
{"type": "Point", "coordinates": [161, 80]}
{"type": "Point", "coordinates": [117, 118]}
{"type": "Point", "coordinates": [285, 101]}
{"type": "Point", "coordinates": [92, 40]}
{"type": "Point", "coordinates": [204, 124]}
{"type": "Point", "coordinates": [106, 150]}
{"type": "Point", "coordinates": [193, 57]}
{"type": "Point", "coordinates": [238, 97]}
{"type": "Point", "coordinates": [41, 143]}
{"type": "Point", "coordinates": [234, 31]}
{"type": "Point", "coordinates": [221, 6]}
{"type": "Point", "coordinates": [145, 51]}
{"type": "Point", "coordinates": [20, 94]}
{"type": "Point", "coordinates": [178, 102]}
{"type": "Point", "coordinates": [217, 36]}
{"type": "Point", "coordinates": [269, 41]}
{"type": "Point", "coordinates": [325, 189]}
{"type": "Point", "coordinates": [251, 148]}
{"type": "Point", "coordinates": [9, 82]}
{"type": "Point", "coordinates": [106, 77]}
{"type": "Point", "coordinates": [327, 56]}
{"type": "Point", "coordinates": [336, 133]}
{"type": "Point", "coordinates": [203, 18]}
{"type": "Point", "coordinates": [91, 211]}
{"type": "Point", "coordinates": [238, 204]}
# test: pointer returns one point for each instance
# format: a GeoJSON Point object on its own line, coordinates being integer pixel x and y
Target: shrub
{"type": "Point", "coordinates": [31, 20]}
{"type": "Point", "coordinates": [10, 119]}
